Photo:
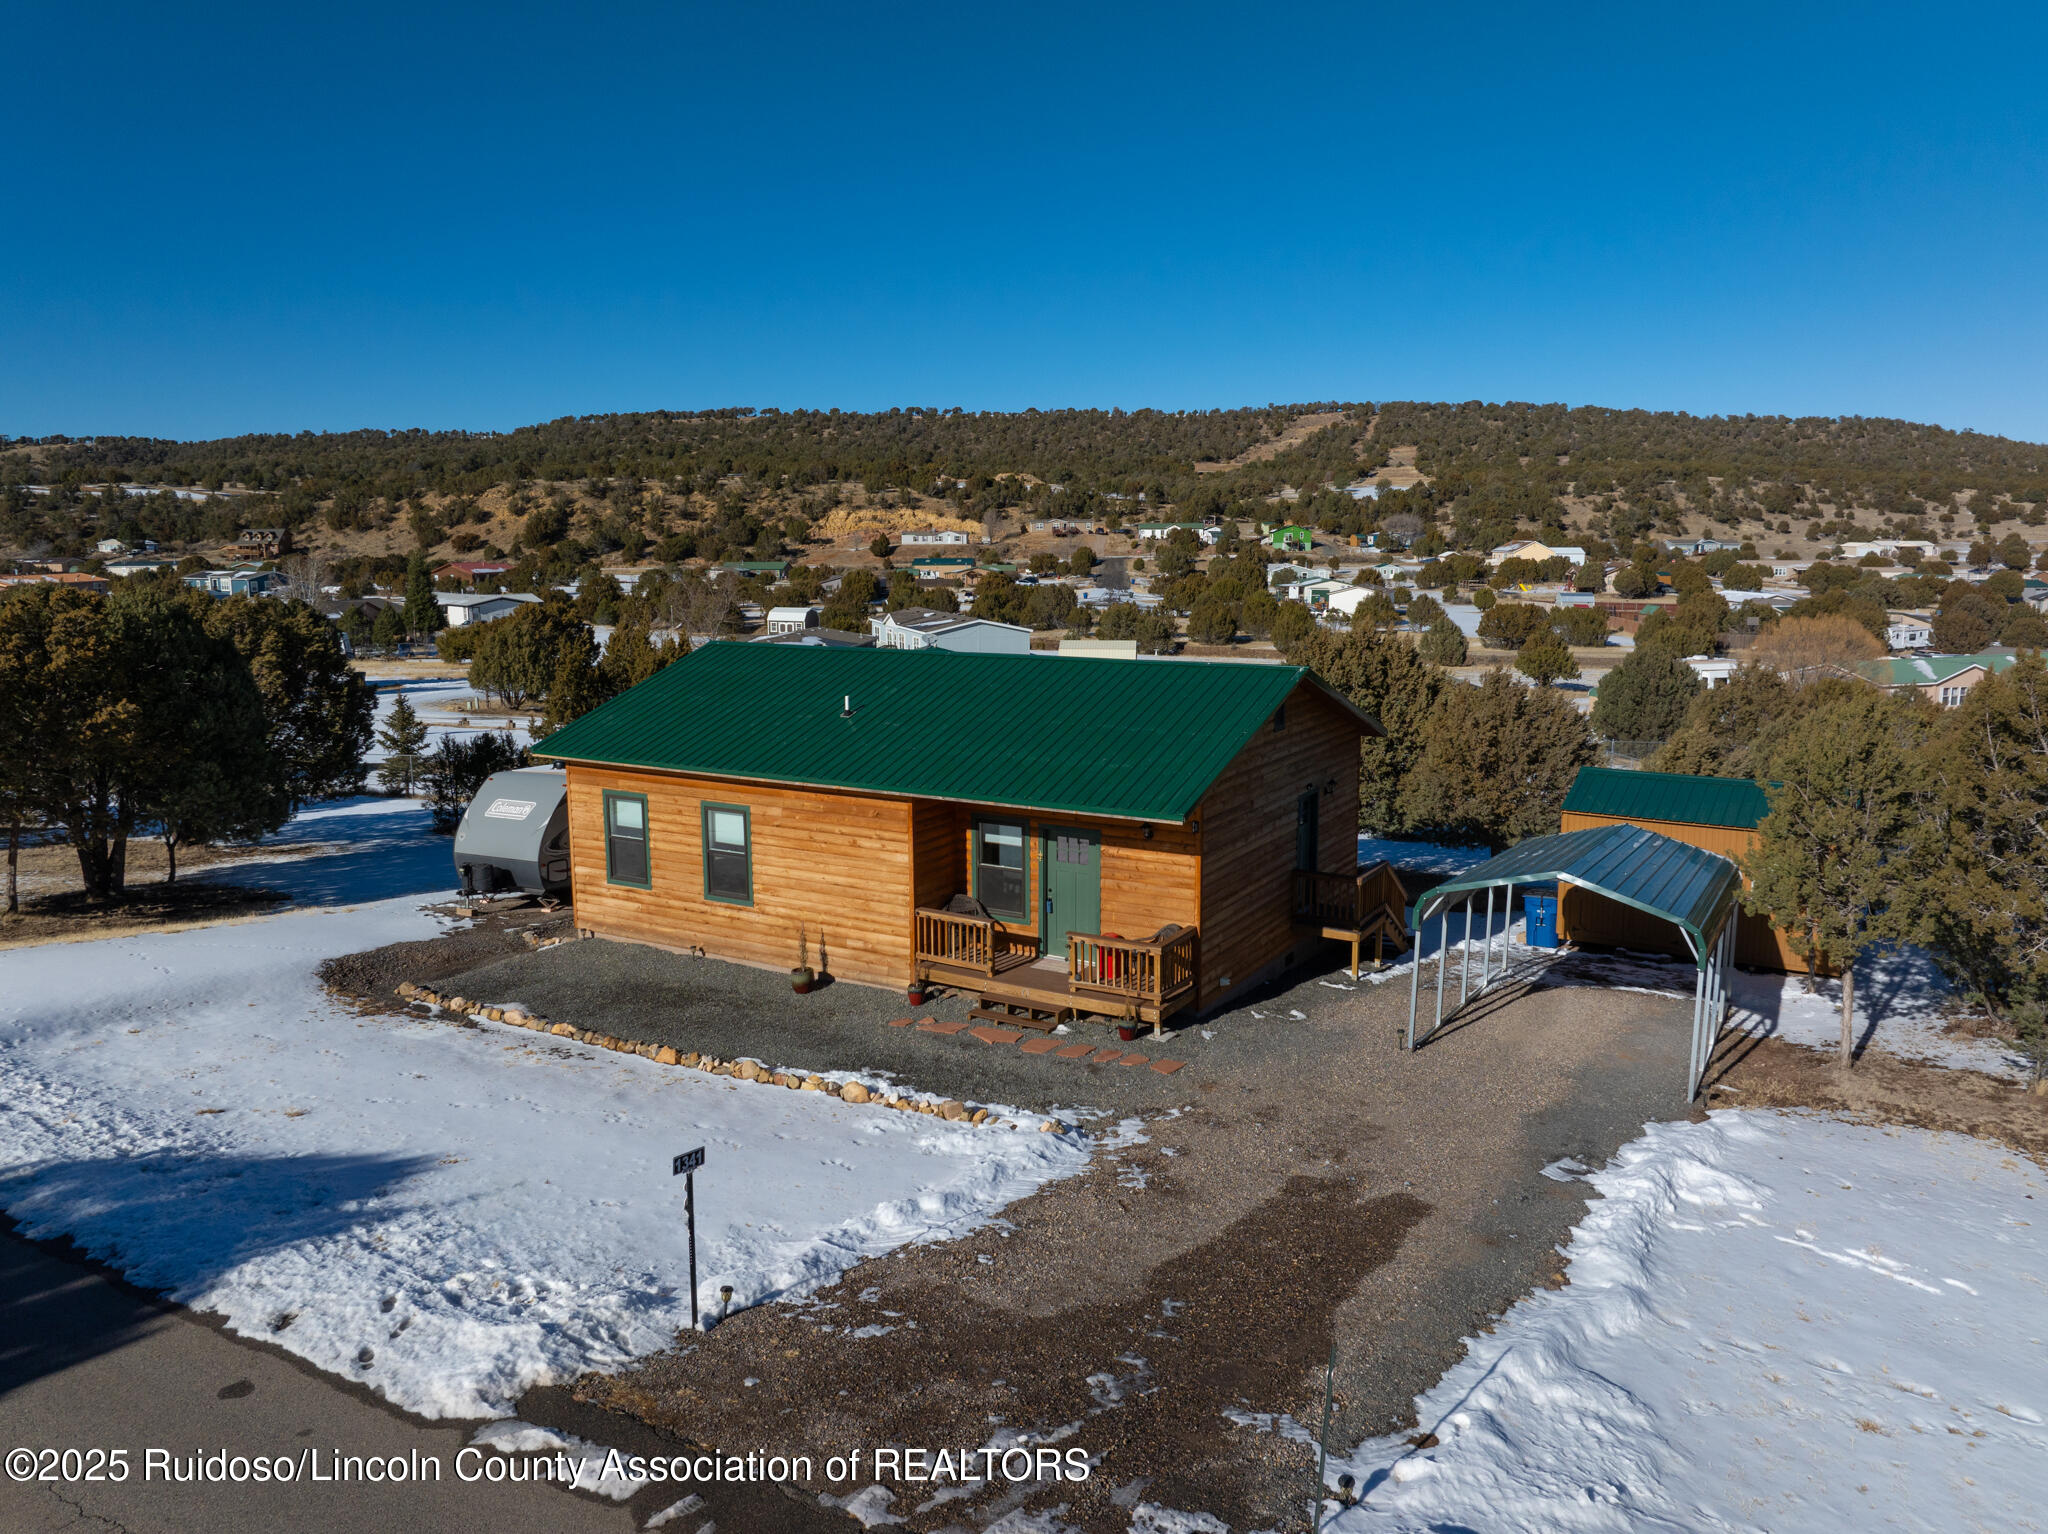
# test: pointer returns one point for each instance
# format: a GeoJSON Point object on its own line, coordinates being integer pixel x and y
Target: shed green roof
{"type": "Point", "coordinates": [1676, 796]}
{"type": "Point", "coordinates": [1135, 739]}
{"type": "Point", "coordinates": [1686, 885]}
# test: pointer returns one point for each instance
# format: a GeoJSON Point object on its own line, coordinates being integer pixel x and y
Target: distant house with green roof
{"type": "Point", "coordinates": [1292, 536]}
{"type": "Point", "coordinates": [1943, 680]}
{"type": "Point", "coordinates": [1172, 832]}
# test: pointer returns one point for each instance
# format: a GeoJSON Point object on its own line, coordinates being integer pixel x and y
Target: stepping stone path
{"type": "Point", "coordinates": [1038, 1044]}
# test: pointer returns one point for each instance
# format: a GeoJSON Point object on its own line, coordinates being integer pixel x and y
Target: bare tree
{"type": "Point", "coordinates": [1808, 649]}
{"type": "Point", "coordinates": [304, 576]}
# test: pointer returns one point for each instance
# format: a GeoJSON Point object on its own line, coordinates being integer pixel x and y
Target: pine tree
{"type": "Point", "coordinates": [422, 612]}
{"type": "Point", "coordinates": [403, 735]}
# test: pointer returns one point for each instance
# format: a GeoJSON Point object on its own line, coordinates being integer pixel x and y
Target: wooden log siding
{"type": "Point", "coordinates": [836, 861]}
{"type": "Point", "coordinates": [1247, 819]}
{"type": "Point", "coordinates": [860, 866]}
{"type": "Point", "coordinates": [1145, 883]}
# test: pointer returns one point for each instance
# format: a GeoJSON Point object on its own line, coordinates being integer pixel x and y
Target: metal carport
{"type": "Point", "coordinates": [1693, 889]}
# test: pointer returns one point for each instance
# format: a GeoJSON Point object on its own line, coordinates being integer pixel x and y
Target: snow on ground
{"type": "Point", "coordinates": [1783, 1322]}
{"type": "Point", "coordinates": [1426, 857]}
{"type": "Point", "coordinates": [446, 1214]}
{"type": "Point", "coordinates": [434, 699]}
{"type": "Point", "coordinates": [1900, 997]}
{"type": "Point", "coordinates": [1900, 994]}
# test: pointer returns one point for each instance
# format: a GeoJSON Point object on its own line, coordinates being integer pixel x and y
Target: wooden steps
{"type": "Point", "coordinates": [1019, 1014]}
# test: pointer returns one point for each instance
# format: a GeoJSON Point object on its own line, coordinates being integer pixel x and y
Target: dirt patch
{"type": "Point", "coordinates": [1298, 431]}
{"type": "Point", "coordinates": [370, 979]}
{"type": "Point", "coordinates": [68, 917]}
{"type": "Point", "coordinates": [1881, 1089]}
{"type": "Point", "coordinates": [1165, 1309]}
{"type": "Point", "coordinates": [1140, 1379]}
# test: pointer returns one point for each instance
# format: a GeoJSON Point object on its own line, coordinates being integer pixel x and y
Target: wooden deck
{"type": "Point", "coordinates": [1367, 905]}
{"type": "Point", "coordinates": [1049, 989]}
{"type": "Point", "coordinates": [1120, 978]}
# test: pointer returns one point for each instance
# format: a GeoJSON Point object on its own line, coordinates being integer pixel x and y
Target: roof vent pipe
{"type": "Point", "coordinates": [846, 711]}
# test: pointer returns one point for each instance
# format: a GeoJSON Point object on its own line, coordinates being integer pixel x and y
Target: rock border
{"type": "Point", "coordinates": [742, 1069]}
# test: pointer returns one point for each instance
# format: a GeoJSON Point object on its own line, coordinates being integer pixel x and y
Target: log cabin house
{"type": "Point", "coordinates": [1125, 839]}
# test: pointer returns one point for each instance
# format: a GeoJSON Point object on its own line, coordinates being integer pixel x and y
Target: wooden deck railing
{"type": "Point", "coordinates": [1148, 972]}
{"type": "Point", "coordinates": [971, 942]}
{"type": "Point", "coordinates": [1351, 901]}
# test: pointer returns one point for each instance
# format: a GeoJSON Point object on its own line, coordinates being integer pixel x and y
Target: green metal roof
{"type": "Point", "coordinates": [1924, 670]}
{"type": "Point", "coordinates": [1675, 796]}
{"type": "Point", "coordinates": [1137, 739]}
{"type": "Point", "coordinates": [1686, 885]}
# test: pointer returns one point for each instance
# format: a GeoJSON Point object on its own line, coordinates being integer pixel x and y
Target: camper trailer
{"type": "Point", "coordinates": [515, 834]}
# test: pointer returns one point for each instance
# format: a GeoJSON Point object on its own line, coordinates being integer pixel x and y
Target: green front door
{"type": "Point", "coordinates": [1072, 861]}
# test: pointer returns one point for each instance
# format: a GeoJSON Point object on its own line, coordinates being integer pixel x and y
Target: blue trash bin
{"type": "Point", "coordinates": [1540, 912]}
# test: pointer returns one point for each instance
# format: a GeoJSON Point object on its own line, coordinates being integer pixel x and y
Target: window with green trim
{"type": "Point", "coordinates": [728, 854]}
{"type": "Point", "coordinates": [625, 839]}
{"type": "Point", "coordinates": [999, 868]}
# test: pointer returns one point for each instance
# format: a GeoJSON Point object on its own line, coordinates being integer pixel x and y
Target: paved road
{"type": "Point", "coordinates": [86, 1362]}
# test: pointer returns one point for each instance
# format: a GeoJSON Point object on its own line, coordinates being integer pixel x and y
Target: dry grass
{"type": "Point", "coordinates": [54, 908]}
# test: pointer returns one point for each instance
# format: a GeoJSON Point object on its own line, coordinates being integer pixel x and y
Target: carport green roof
{"type": "Point", "coordinates": [1676, 796]}
{"type": "Point", "coordinates": [1135, 739]}
{"type": "Point", "coordinates": [1686, 885]}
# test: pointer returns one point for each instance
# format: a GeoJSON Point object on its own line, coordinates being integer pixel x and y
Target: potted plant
{"type": "Point", "coordinates": [800, 978]}
{"type": "Point", "coordinates": [915, 995]}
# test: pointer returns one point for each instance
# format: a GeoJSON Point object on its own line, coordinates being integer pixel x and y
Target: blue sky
{"type": "Point", "coordinates": [228, 220]}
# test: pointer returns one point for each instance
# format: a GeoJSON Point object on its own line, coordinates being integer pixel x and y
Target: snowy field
{"type": "Point", "coordinates": [1773, 1322]}
{"type": "Point", "coordinates": [445, 1214]}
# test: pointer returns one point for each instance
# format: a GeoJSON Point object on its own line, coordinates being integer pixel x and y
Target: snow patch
{"type": "Point", "coordinates": [446, 1215]}
{"type": "Point", "coordinates": [1766, 1325]}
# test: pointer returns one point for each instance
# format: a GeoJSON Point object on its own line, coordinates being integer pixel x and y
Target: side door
{"type": "Point", "coordinates": [1072, 898]}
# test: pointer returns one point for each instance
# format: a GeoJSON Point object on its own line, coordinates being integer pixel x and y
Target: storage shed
{"type": "Point", "coordinates": [1719, 814]}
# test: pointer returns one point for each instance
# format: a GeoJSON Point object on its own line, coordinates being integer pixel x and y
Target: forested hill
{"type": "Point", "coordinates": [1580, 449]}
{"type": "Point", "coordinates": [722, 480]}
{"type": "Point", "coordinates": [884, 448]}
{"type": "Point", "coordinates": [1599, 449]}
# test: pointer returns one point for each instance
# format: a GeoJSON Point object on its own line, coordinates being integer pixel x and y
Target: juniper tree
{"type": "Point", "coordinates": [1385, 678]}
{"type": "Point", "coordinates": [1496, 761]}
{"type": "Point", "coordinates": [1544, 659]}
{"type": "Point", "coordinates": [1442, 644]}
{"type": "Point", "coordinates": [1645, 697]}
{"type": "Point", "coordinates": [1839, 860]}
{"type": "Point", "coordinates": [1987, 837]}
